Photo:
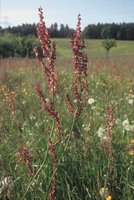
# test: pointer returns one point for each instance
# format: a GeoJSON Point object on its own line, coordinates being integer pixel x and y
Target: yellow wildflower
{"type": "Point", "coordinates": [131, 141]}
{"type": "Point", "coordinates": [131, 147]}
{"type": "Point", "coordinates": [109, 197]}
{"type": "Point", "coordinates": [131, 152]}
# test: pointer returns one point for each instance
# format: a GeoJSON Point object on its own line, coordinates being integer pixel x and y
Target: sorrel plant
{"type": "Point", "coordinates": [80, 87]}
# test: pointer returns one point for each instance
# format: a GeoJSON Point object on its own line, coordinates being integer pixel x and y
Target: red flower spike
{"type": "Point", "coordinates": [53, 155]}
{"type": "Point", "coordinates": [80, 83]}
{"type": "Point", "coordinates": [26, 156]}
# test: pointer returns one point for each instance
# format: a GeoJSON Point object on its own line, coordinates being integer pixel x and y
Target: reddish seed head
{"type": "Point", "coordinates": [50, 109]}
{"type": "Point", "coordinates": [80, 83]}
{"type": "Point", "coordinates": [53, 155]}
{"type": "Point", "coordinates": [26, 156]}
{"type": "Point", "coordinates": [70, 105]}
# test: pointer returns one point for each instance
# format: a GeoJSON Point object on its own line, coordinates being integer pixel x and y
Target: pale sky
{"type": "Point", "coordinates": [14, 12]}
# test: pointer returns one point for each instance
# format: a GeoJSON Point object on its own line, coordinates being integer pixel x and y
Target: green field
{"type": "Point", "coordinates": [90, 158]}
{"type": "Point", "coordinates": [94, 48]}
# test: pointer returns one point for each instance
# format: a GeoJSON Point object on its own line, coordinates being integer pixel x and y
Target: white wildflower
{"type": "Point", "coordinates": [75, 100]}
{"type": "Point", "coordinates": [131, 101]}
{"type": "Point", "coordinates": [7, 182]}
{"type": "Point", "coordinates": [32, 117]}
{"type": "Point", "coordinates": [47, 100]}
{"type": "Point", "coordinates": [37, 124]}
{"type": "Point", "coordinates": [105, 137]}
{"type": "Point", "coordinates": [125, 122]}
{"type": "Point", "coordinates": [91, 101]}
{"type": "Point", "coordinates": [101, 132]}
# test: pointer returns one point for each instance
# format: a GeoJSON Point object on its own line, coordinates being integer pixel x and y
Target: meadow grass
{"type": "Point", "coordinates": [85, 167]}
{"type": "Point", "coordinates": [94, 48]}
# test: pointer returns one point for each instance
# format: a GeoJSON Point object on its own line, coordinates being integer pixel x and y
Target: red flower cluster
{"type": "Point", "coordinates": [26, 156]}
{"type": "Point", "coordinates": [70, 105]}
{"type": "Point", "coordinates": [107, 144]}
{"type": "Point", "coordinates": [49, 108]}
{"type": "Point", "coordinates": [80, 83]}
{"type": "Point", "coordinates": [80, 63]}
{"type": "Point", "coordinates": [43, 35]}
{"type": "Point", "coordinates": [53, 155]}
{"type": "Point", "coordinates": [110, 117]}
{"type": "Point", "coordinates": [49, 52]}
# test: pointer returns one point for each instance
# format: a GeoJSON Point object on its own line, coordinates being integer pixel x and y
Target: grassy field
{"type": "Point", "coordinates": [94, 48]}
{"type": "Point", "coordinates": [93, 161]}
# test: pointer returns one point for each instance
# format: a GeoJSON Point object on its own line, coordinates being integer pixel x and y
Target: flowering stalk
{"type": "Point", "coordinates": [80, 83]}
{"type": "Point", "coordinates": [110, 116]}
{"type": "Point", "coordinates": [80, 86]}
{"type": "Point", "coordinates": [107, 143]}
{"type": "Point", "coordinates": [53, 155]}
{"type": "Point", "coordinates": [49, 108]}
{"type": "Point", "coordinates": [26, 156]}
{"type": "Point", "coordinates": [49, 52]}
{"type": "Point", "coordinates": [80, 63]}
{"type": "Point", "coordinates": [70, 105]}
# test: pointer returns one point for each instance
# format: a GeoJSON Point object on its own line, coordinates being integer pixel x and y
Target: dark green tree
{"type": "Point", "coordinates": [106, 32]}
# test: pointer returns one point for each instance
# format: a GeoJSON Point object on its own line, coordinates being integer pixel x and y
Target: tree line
{"type": "Point", "coordinates": [62, 31]}
{"type": "Point", "coordinates": [122, 31]}
{"type": "Point", "coordinates": [20, 40]}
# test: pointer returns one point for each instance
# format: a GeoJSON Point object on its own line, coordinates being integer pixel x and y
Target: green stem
{"type": "Point", "coordinates": [40, 166]}
{"type": "Point", "coordinates": [67, 142]}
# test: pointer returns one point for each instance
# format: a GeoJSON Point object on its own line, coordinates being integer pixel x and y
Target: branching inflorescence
{"type": "Point", "coordinates": [26, 156]}
{"type": "Point", "coordinates": [80, 83]}
{"type": "Point", "coordinates": [107, 143]}
{"type": "Point", "coordinates": [49, 54]}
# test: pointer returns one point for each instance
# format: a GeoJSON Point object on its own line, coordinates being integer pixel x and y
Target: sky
{"type": "Point", "coordinates": [15, 12]}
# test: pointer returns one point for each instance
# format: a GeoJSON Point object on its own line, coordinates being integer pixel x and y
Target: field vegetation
{"type": "Point", "coordinates": [67, 127]}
